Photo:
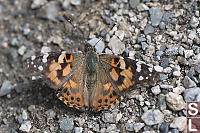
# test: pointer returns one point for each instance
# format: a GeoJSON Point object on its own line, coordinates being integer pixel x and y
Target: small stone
{"type": "Point", "coordinates": [194, 22]}
{"type": "Point", "coordinates": [162, 102]}
{"type": "Point", "coordinates": [172, 51]}
{"type": "Point", "coordinates": [5, 88]}
{"type": "Point", "coordinates": [148, 29]}
{"type": "Point", "coordinates": [188, 53]}
{"type": "Point", "coordinates": [142, 7]}
{"type": "Point", "coordinates": [26, 31]}
{"type": "Point", "coordinates": [111, 128]}
{"type": "Point", "coordinates": [50, 113]}
{"type": "Point", "coordinates": [108, 21]}
{"type": "Point", "coordinates": [45, 49]}
{"type": "Point", "coordinates": [188, 83]}
{"type": "Point", "coordinates": [24, 115]}
{"type": "Point", "coordinates": [177, 73]}
{"type": "Point", "coordinates": [134, 3]}
{"type": "Point", "coordinates": [192, 94]}
{"type": "Point", "coordinates": [129, 127]}
{"type": "Point", "coordinates": [38, 3]}
{"type": "Point", "coordinates": [174, 130]}
{"type": "Point", "coordinates": [158, 68]}
{"type": "Point", "coordinates": [175, 101]}
{"type": "Point", "coordinates": [164, 127]}
{"type": "Point", "coordinates": [22, 50]}
{"type": "Point", "coordinates": [25, 127]}
{"type": "Point", "coordinates": [75, 2]}
{"type": "Point", "coordinates": [29, 53]}
{"type": "Point", "coordinates": [178, 89]}
{"type": "Point", "coordinates": [138, 126]}
{"type": "Point", "coordinates": [118, 117]}
{"type": "Point", "coordinates": [153, 117]}
{"type": "Point", "coordinates": [49, 11]}
{"type": "Point", "coordinates": [78, 130]}
{"type": "Point", "coordinates": [192, 34]}
{"type": "Point", "coordinates": [110, 117]}
{"type": "Point", "coordinates": [165, 63]}
{"type": "Point", "coordinates": [120, 34]}
{"type": "Point", "coordinates": [116, 45]}
{"type": "Point", "coordinates": [180, 123]}
{"type": "Point", "coordinates": [156, 90]}
{"type": "Point", "coordinates": [98, 44]}
{"type": "Point", "coordinates": [162, 25]}
{"type": "Point", "coordinates": [65, 4]}
{"type": "Point", "coordinates": [66, 124]}
{"type": "Point", "coordinates": [197, 67]}
{"type": "Point", "coordinates": [155, 15]}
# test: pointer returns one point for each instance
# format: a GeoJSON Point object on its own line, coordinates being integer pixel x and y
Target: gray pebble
{"type": "Point", "coordinates": [22, 50]}
{"type": "Point", "coordinates": [197, 67]}
{"type": "Point", "coordinates": [162, 102]}
{"type": "Point", "coordinates": [156, 90]}
{"type": "Point", "coordinates": [5, 88]}
{"type": "Point", "coordinates": [133, 3]}
{"type": "Point", "coordinates": [37, 3]}
{"type": "Point", "coordinates": [129, 127]}
{"type": "Point", "coordinates": [155, 15]}
{"type": "Point", "coordinates": [110, 117]}
{"type": "Point", "coordinates": [152, 117]}
{"type": "Point", "coordinates": [141, 39]}
{"type": "Point", "coordinates": [25, 126]}
{"type": "Point", "coordinates": [162, 25]}
{"type": "Point", "coordinates": [98, 44]}
{"type": "Point", "coordinates": [164, 127]}
{"type": "Point", "coordinates": [78, 130]}
{"type": "Point", "coordinates": [148, 29]}
{"type": "Point", "coordinates": [66, 124]}
{"type": "Point", "coordinates": [29, 53]}
{"type": "Point", "coordinates": [188, 83]}
{"type": "Point", "coordinates": [138, 126]}
{"type": "Point", "coordinates": [49, 11]}
{"type": "Point", "coordinates": [194, 22]}
{"type": "Point", "coordinates": [172, 51]}
{"type": "Point", "coordinates": [192, 94]}
{"type": "Point", "coordinates": [174, 130]}
{"type": "Point", "coordinates": [116, 45]}
{"type": "Point", "coordinates": [159, 53]}
{"type": "Point", "coordinates": [144, 45]}
{"type": "Point", "coordinates": [50, 113]}
{"type": "Point", "coordinates": [164, 62]}
{"type": "Point", "coordinates": [75, 2]}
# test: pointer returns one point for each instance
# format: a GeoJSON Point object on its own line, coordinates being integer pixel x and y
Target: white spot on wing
{"type": "Point", "coordinates": [141, 78]}
{"type": "Point", "coordinates": [44, 59]}
{"type": "Point", "coordinates": [122, 64]}
{"type": "Point", "coordinates": [147, 77]}
{"type": "Point", "coordinates": [40, 68]}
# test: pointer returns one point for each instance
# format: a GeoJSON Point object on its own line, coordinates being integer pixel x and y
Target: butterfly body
{"type": "Point", "coordinates": [89, 81]}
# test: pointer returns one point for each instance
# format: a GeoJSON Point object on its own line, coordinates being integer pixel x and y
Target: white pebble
{"type": "Point", "coordinates": [141, 78]}
{"type": "Point", "coordinates": [33, 57]}
{"type": "Point", "coordinates": [40, 68]}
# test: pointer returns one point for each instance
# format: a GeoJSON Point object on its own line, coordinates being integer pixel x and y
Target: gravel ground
{"type": "Point", "coordinates": [163, 33]}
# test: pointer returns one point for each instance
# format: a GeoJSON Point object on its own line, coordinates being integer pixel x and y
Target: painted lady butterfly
{"type": "Point", "coordinates": [88, 81]}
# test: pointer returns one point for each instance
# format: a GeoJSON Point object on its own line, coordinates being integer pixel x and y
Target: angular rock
{"type": "Point", "coordinates": [152, 117]}
{"type": "Point", "coordinates": [175, 101]}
